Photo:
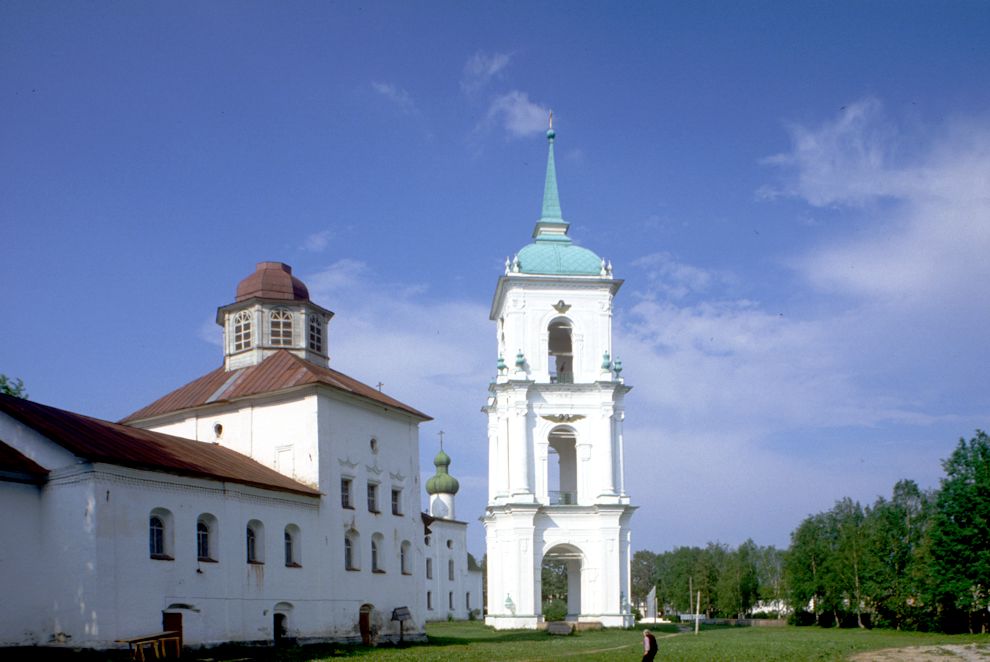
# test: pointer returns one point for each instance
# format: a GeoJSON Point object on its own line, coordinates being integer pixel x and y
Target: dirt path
{"type": "Point", "coordinates": [946, 653]}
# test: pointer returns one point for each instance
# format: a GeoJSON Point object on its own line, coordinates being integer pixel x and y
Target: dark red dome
{"type": "Point", "coordinates": [272, 280]}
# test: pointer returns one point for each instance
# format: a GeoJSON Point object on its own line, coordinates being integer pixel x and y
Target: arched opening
{"type": "Point", "coordinates": [280, 623]}
{"type": "Point", "coordinates": [560, 583]}
{"type": "Point", "coordinates": [560, 353]}
{"type": "Point", "coordinates": [562, 481]}
{"type": "Point", "coordinates": [364, 623]}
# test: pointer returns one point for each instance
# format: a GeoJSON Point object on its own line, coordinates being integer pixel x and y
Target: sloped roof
{"type": "Point", "coordinates": [96, 440]}
{"type": "Point", "coordinates": [13, 464]}
{"type": "Point", "coordinates": [276, 372]}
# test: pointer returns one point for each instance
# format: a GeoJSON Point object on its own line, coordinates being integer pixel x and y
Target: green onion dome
{"type": "Point", "coordinates": [442, 482]}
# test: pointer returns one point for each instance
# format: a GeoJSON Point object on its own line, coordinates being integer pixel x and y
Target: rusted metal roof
{"type": "Point", "coordinates": [279, 371]}
{"type": "Point", "coordinates": [16, 466]}
{"type": "Point", "coordinates": [96, 440]}
{"type": "Point", "coordinates": [272, 280]}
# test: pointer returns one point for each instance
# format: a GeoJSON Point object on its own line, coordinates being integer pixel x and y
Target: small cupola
{"type": "Point", "coordinates": [271, 312]}
{"type": "Point", "coordinates": [442, 487]}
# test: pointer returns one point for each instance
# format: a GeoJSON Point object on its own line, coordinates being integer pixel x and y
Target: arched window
{"type": "Point", "coordinates": [242, 330]}
{"type": "Point", "coordinates": [206, 537]}
{"type": "Point", "coordinates": [562, 481]}
{"type": "Point", "coordinates": [377, 543]}
{"type": "Point", "coordinates": [404, 552]}
{"type": "Point", "coordinates": [255, 542]}
{"type": "Point", "coordinates": [160, 535]}
{"type": "Point", "coordinates": [561, 355]}
{"type": "Point", "coordinates": [281, 327]}
{"type": "Point", "coordinates": [351, 560]}
{"type": "Point", "coordinates": [292, 547]}
{"type": "Point", "coordinates": [156, 531]}
{"type": "Point", "coordinates": [316, 333]}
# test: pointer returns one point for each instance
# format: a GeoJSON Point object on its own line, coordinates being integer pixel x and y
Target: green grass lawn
{"type": "Point", "coordinates": [470, 642]}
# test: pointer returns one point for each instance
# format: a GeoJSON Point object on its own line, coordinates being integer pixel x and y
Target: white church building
{"type": "Point", "coordinates": [271, 498]}
{"type": "Point", "coordinates": [556, 485]}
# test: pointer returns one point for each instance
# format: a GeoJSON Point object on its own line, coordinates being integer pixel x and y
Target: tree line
{"type": "Point", "coordinates": [919, 560]}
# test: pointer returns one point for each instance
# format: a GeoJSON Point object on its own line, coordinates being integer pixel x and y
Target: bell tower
{"type": "Point", "coordinates": [556, 489]}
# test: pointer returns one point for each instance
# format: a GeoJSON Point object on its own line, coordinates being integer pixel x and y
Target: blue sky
{"type": "Point", "coordinates": [796, 194]}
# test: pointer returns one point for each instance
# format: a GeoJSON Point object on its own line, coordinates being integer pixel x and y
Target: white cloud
{"type": "Point", "coordinates": [481, 68]}
{"type": "Point", "coordinates": [925, 201]}
{"type": "Point", "coordinates": [520, 116]}
{"type": "Point", "coordinates": [317, 242]}
{"type": "Point", "coordinates": [209, 332]}
{"type": "Point", "coordinates": [397, 96]}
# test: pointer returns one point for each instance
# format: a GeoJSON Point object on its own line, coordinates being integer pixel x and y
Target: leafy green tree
{"type": "Point", "coordinates": [738, 587]}
{"type": "Point", "coordinates": [644, 574]}
{"type": "Point", "coordinates": [806, 566]}
{"type": "Point", "coordinates": [850, 559]}
{"type": "Point", "coordinates": [960, 537]}
{"type": "Point", "coordinates": [770, 574]}
{"type": "Point", "coordinates": [897, 535]}
{"type": "Point", "coordinates": [14, 387]}
{"type": "Point", "coordinates": [554, 580]}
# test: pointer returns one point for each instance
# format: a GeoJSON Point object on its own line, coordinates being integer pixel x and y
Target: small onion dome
{"type": "Point", "coordinates": [442, 482]}
{"type": "Point", "coordinates": [272, 280]}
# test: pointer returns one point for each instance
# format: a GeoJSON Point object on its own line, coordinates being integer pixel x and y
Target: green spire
{"type": "Point", "coordinates": [551, 200]}
{"type": "Point", "coordinates": [551, 225]}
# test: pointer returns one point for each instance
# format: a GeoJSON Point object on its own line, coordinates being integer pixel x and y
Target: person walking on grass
{"type": "Point", "coordinates": [649, 646]}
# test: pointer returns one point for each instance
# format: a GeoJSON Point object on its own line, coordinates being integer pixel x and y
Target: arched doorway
{"type": "Point", "coordinates": [562, 481]}
{"type": "Point", "coordinates": [280, 623]}
{"type": "Point", "coordinates": [364, 623]}
{"type": "Point", "coordinates": [560, 581]}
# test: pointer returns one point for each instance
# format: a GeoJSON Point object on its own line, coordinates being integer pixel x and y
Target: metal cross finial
{"type": "Point", "coordinates": [441, 439]}
{"type": "Point", "coordinates": [380, 385]}
{"type": "Point", "coordinates": [551, 118]}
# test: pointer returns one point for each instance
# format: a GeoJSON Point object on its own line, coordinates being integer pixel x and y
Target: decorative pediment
{"type": "Point", "coordinates": [375, 469]}
{"type": "Point", "coordinates": [346, 462]}
{"type": "Point", "coordinates": [397, 477]}
{"type": "Point", "coordinates": [562, 418]}
{"type": "Point", "coordinates": [561, 307]}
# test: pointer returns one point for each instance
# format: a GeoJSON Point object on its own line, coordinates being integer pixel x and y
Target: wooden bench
{"type": "Point", "coordinates": [156, 643]}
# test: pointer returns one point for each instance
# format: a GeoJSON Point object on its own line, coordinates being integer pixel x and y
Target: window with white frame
{"type": "Point", "coordinates": [316, 333]}
{"type": "Point", "coordinates": [396, 501]}
{"type": "Point", "coordinates": [242, 330]}
{"type": "Point", "coordinates": [255, 542]}
{"type": "Point", "coordinates": [450, 569]}
{"type": "Point", "coordinates": [450, 600]}
{"type": "Point", "coordinates": [347, 493]}
{"type": "Point", "coordinates": [373, 497]}
{"type": "Point", "coordinates": [281, 327]}
{"type": "Point", "coordinates": [377, 551]}
{"type": "Point", "coordinates": [160, 535]}
{"type": "Point", "coordinates": [206, 538]}
{"type": "Point", "coordinates": [429, 568]}
{"type": "Point", "coordinates": [351, 542]}
{"type": "Point", "coordinates": [429, 600]}
{"type": "Point", "coordinates": [404, 552]}
{"type": "Point", "coordinates": [292, 547]}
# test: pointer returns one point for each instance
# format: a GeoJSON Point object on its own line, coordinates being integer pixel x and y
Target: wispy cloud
{"type": "Point", "coordinates": [397, 96]}
{"type": "Point", "coordinates": [517, 114]}
{"type": "Point", "coordinates": [317, 242]}
{"type": "Point", "coordinates": [925, 203]}
{"type": "Point", "coordinates": [481, 68]}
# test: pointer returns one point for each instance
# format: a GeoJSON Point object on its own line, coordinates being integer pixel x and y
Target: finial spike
{"type": "Point", "coordinates": [551, 119]}
{"type": "Point", "coordinates": [441, 439]}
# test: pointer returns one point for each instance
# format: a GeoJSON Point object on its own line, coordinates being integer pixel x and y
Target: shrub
{"type": "Point", "coordinates": [554, 610]}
